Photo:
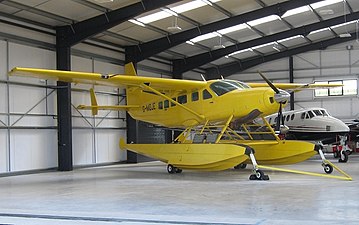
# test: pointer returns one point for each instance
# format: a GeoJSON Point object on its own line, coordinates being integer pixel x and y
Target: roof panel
{"type": "Point", "coordinates": [245, 54]}
{"type": "Point", "coordinates": [236, 9]}
{"type": "Point", "coordinates": [117, 41]}
{"type": "Point", "coordinates": [332, 11]}
{"type": "Point", "coordinates": [31, 3]}
{"type": "Point", "coordinates": [164, 24]}
{"type": "Point", "coordinates": [302, 19]}
{"type": "Point", "coordinates": [7, 9]}
{"type": "Point", "coordinates": [187, 49]}
{"type": "Point", "coordinates": [69, 9]}
{"type": "Point", "coordinates": [205, 15]}
{"type": "Point", "coordinates": [293, 42]}
{"type": "Point", "coordinates": [140, 33]}
{"type": "Point", "coordinates": [243, 35]}
{"type": "Point", "coordinates": [39, 18]}
{"type": "Point", "coordinates": [272, 27]}
{"type": "Point", "coordinates": [115, 4]}
{"type": "Point", "coordinates": [222, 61]}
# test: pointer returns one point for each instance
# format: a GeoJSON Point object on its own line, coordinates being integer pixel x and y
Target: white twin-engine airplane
{"type": "Point", "coordinates": [313, 124]}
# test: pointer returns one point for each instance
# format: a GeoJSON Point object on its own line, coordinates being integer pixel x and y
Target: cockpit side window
{"type": "Point", "coordinates": [311, 114]}
{"type": "Point", "coordinates": [317, 112]}
{"type": "Point", "coordinates": [324, 112]}
{"type": "Point", "coordinates": [302, 116]}
{"type": "Point", "coordinates": [221, 87]}
{"type": "Point", "coordinates": [206, 94]}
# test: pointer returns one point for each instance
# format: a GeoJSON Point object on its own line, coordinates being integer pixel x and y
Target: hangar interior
{"type": "Point", "coordinates": [316, 40]}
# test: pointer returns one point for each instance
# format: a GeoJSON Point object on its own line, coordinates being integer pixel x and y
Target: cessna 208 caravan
{"type": "Point", "coordinates": [206, 108]}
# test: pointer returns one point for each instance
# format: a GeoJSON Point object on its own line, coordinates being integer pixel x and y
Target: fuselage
{"type": "Point", "coordinates": [311, 124]}
{"type": "Point", "coordinates": [215, 102]}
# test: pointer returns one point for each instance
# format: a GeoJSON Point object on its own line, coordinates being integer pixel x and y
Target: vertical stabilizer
{"type": "Point", "coordinates": [130, 69]}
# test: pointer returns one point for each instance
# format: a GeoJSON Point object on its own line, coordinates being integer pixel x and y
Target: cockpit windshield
{"type": "Point", "coordinates": [224, 86]}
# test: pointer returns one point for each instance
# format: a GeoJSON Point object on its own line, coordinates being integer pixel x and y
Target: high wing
{"type": "Point", "coordinates": [294, 86]}
{"type": "Point", "coordinates": [115, 80]}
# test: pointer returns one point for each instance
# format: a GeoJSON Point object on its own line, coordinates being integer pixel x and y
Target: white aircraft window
{"type": "Point", "coordinates": [221, 87]}
{"type": "Point", "coordinates": [287, 118]}
{"type": "Point", "coordinates": [302, 116]}
{"type": "Point", "coordinates": [317, 112]}
{"type": "Point", "coordinates": [206, 94]}
{"type": "Point", "coordinates": [292, 117]}
{"type": "Point", "coordinates": [311, 114]}
{"type": "Point", "coordinates": [324, 113]}
{"type": "Point", "coordinates": [182, 99]}
{"type": "Point", "coordinates": [270, 120]}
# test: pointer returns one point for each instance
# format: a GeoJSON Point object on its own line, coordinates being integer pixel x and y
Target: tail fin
{"type": "Point", "coordinates": [130, 69]}
{"type": "Point", "coordinates": [93, 102]}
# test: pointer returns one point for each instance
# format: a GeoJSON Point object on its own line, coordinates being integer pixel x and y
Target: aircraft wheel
{"type": "Point", "coordinates": [343, 157]}
{"type": "Point", "coordinates": [328, 168]}
{"type": "Point", "coordinates": [252, 177]}
{"type": "Point", "coordinates": [241, 166]}
{"type": "Point", "coordinates": [259, 174]}
{"type": "Point", "coordinates": [171, 169]}
{"type": "Point", "coordinates": [178, 170]}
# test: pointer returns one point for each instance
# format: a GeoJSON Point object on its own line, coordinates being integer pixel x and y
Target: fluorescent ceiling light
{"type": "Point", "coordinates": [344, 24]}
{"type": "Point", "coordinates": [296, 11]}
{"type": "Point", "coordinates": [205, 37]}
{"type": "Point", "coordinates": [324, 3]}
{"type": "Point", "coordinates": [263, 20]}
{"type": "Point", "coordinates": [190, 42]}
{"type": "Point", "coordinates": [233, 28]}
{"type": "Point", "coordinates": [154, 17]}
{"type": "Point", "coordinates": [320, 30]}
{"type": "Point", "coordinates": [137, 22]}
{"type": "Point", "coordinates": [290, 38]}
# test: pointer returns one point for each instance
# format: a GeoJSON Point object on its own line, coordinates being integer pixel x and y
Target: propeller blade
{"type": "Point", "coordinates": [275, 89]}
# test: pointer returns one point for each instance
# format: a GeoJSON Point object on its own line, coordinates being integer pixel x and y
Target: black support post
{"type": "Point", "coordinates": [291, 80]}
{"type": "Point", "coordinates": [64, 118]}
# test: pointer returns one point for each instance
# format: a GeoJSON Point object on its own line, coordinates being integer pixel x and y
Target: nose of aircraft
{"type": "Point", "coordinates": [281, 96]}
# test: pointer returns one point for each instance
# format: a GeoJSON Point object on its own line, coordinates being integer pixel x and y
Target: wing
{"type": "Point", "coordinates": [295, 86]}
{"type": "Point", "coordinates": [115, 80]}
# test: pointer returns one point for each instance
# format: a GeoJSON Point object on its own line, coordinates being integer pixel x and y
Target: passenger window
{"type": "Point", "coordinates": [287, 119]}
{"type": "Point", "coordinates": [173, 104]}
{"type": "Point", "coordinates": [292, 117]}
{"type": "Point", "coordinates": [160, 105]}
{"type": "Point", "coordinates": [302, 116]}
{"type": "Point", "coordinates": [182, 99]}
{"type": "Point", "coordinates": [166, 104]}
{"type": "Point", "coordinates": [206, 94]}
{"type": "Point", "coordinates": [270, 120]}
{"type": "Point", "coordinates": [195, 96]}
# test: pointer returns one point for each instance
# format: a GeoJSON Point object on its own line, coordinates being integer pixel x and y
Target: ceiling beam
{"type": "Point", "coordinates": [154, 47]}
{"type": "Point", "coordinates": [75, 33]}
{"type": "Point", "coordinates": [236, 67]}
{"type": "Point", "coordinates": [189, 63]}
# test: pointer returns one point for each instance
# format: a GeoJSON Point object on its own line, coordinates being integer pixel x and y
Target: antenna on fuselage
{"type": "Point", "coordinates": [204, 79]}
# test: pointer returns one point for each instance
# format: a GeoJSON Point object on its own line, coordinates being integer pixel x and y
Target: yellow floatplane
{"type": "Point", "coordinates": [216, 117]}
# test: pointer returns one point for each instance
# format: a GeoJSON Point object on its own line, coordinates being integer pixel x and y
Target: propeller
{"type": "Point", "coordinates": [280, 97]}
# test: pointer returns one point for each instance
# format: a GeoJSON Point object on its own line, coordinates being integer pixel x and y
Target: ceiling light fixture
{"type": "Point", "coordinates": [137, 22]}
{"type": "Point", "coordinates": [103, 1]}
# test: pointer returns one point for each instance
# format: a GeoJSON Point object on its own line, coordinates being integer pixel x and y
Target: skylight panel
{"type": "Point", "coordinates": [344, 24]}
{"type": "Point", "coordinates": [296, 11]}
{"type": "Point", "coordinates": [137, 22]}
{"type": "Point", "coordinates": [205, 37]}
{"type": "Point", "coordinates": [154, 17]}
{"type": "Point", "coordinates": [233, 28]}
{"type": "Point", "coordinates": [290, 38]}
{"type": "Point", "coordinates": [263, 20]}
{"type": "Point", "coordinates": [191, 5]}
{"type": "Point", "coordinates": [239, 52]}
{"type": "Point", "coordinates": [320, 30]}
{"type": "Point", "coordinates": [264, 45]}
{"type": "Point", "coordinates": [324, 3]}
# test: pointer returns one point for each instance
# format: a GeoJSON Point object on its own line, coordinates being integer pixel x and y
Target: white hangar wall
{"type": "Point", "coordinates": [28, 117]}
{"type": "Point", "coordinates": [333, 63]}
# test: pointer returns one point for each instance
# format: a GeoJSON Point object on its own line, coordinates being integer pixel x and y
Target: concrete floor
{"type": "Point", "coordinates": [146, 194]}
